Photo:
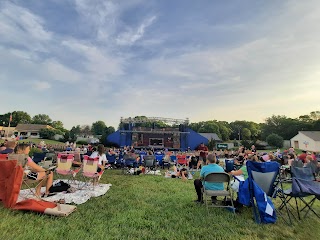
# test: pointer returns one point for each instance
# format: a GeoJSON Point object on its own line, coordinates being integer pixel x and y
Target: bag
{"type": "Point", "coordinates": [59, 187]}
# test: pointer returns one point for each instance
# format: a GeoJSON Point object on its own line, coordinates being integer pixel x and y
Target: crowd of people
{"type": "Point", "coordinates": [199, 159]}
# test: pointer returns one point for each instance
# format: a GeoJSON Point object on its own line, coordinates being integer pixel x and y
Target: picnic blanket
{"type": "Point", "coordinates": [78, 197]}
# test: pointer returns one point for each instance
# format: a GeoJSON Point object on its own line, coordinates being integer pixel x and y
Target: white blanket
{"type": "Point", "coordinates": [78, 197]}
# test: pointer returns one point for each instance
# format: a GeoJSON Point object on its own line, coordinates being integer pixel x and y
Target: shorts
{"type": "Point", "coordinates": [32, 175]}
{"type": "Point", "coordinates": [204, 158]}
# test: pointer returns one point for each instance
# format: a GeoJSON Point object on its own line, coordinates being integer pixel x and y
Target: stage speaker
{"type": "Point", "coordinates": [182, 128]}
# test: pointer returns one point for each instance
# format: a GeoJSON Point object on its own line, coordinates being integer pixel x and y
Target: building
{"type": "Point", "coordinates": [30, 130]}
{"type": "Point", "coordinates": [306, 140]}
{"type": "Point", "coordinates": [211, 136]}
{"type": "Point", "coordinates": [6, 131]}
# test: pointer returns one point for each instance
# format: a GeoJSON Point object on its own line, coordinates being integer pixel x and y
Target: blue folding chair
{"type": "Point", "coordinates": [263, 181]}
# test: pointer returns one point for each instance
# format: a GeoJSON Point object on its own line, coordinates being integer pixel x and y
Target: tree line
{"type": "Point", "coordinates": [98, 128]}
{"type": "Point", "coordinates": [246, 131]}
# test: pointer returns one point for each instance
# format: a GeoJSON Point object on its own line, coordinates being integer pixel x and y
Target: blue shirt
{"type": "Point", "coordinates": [212, 167]}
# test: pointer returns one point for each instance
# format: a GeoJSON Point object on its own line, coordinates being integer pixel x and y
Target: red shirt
{"type": "Point", "coordinates": [203, 150]}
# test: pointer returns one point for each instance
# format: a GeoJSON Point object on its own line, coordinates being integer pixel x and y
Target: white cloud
{"type": "Point", "coordinates": [131, 36]}
{"type": "Point", "coordinates": [41, 85]}
{"type": "Point", "coordinates": [19, 26]}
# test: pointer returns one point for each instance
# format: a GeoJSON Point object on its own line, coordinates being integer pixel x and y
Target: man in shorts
{"type": "Point", "coordinates": [203, 152]}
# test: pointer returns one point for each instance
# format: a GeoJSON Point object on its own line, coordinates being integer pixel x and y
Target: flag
{"type": "Point", "coordinates": [10, 117]}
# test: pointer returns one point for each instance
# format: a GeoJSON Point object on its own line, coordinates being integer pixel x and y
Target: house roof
{"type": "Point", "coordinates": [210, 136]}
{"type": "Point", "coordinates": [30, 127]}
{"type": "Point", "coordinates": [314, 135]}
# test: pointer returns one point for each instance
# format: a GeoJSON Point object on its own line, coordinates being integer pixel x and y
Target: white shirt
{"type": "Point", "coordinates": [102, 158]}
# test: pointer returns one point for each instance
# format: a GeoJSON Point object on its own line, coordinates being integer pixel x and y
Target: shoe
{"type": "Point", "coordinates": [197, 201]}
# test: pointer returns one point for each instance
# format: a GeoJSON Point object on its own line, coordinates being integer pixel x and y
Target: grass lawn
{"type": "Point", "coordinates": [37, 140]}
{"type": "Point", "coordinates": [149, 207]}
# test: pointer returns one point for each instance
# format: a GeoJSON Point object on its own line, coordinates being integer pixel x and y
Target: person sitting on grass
{"type": "Point", "coordinates": [36, 172]}
{"type": "Point", "coordinates": [212, 167]}
{"type": "Point", "coordinates": [178, 173]}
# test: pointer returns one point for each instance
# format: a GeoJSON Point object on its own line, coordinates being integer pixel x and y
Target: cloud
{"type": "Point", "coordinates": [41, 85]}
{"type": "Point", "coordinates": [131, 36]}
{"type": "Point", "coordinates": [127, 58]}
{"type": "Point", "coordinates": [21, 27]}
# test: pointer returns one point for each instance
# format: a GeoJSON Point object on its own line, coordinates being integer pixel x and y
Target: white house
{"type": "Point", "coordinates": [307, 140]}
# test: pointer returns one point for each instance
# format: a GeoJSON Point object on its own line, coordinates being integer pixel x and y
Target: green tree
{"type": "Point", "coordinates": [41, 119]}
{"type": "Point", "coordinates": [17, 117]}
{"type": "Point", "coordinates": [74, 133]}
{"type": "Point", "coordinates": [58, 125]}
{"type": "Point", "coordinates": [85, 130]}
{"type": "Point", "coordinates": [106, 133]}
{"type": "Point", "coordinates": [47, 133]}
{"type": "Point", "coordinates": [245, 134]}
{"type": "Point", "coordinates": [98, 127]}
{"type": "Point", "coordinates": [275, 140]}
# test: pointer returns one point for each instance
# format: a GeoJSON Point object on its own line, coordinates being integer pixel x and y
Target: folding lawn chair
{"type": "Point", "coordinates": [218, 178]}
{"type": "Point", "coordinates": [128, 163]}
{"type": "Point", "coordinates": [150, 163]}
{"type": "Point", "coordinates": [303, 185]}
{"type": "Point", "coordinates": [3, 156]}
{"type": "Point", "coordinates": [64, 167]}
{"type": "Point", "coordinates": [264, 182]}
{"type": "Point", "coordinates": [38, 157]}
{"type": "Point", "coordinates": [89, 171]}
{"type": "Point", "coordinates": [30, 184]}
{"type": "Point", "coordinates": [182, 161]}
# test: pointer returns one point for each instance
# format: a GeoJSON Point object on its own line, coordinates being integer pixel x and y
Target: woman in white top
{"type": "Point", "coordinates": [102, 157]}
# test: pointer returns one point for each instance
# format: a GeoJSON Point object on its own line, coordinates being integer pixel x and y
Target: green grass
{"type": "Point", "coordinates": [37, 140]}
{"type": "Point", "coordinates": [148, 207]}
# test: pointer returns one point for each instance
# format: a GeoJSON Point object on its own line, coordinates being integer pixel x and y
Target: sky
{"type": "Point", "coordinates": [80, 61]}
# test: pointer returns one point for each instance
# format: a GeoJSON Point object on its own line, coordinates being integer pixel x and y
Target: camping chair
{"type": "Point", "coordinates": [64, 167]}
{"type": "Point", "coordinates": [173, 159]}
{"type": "Point", "coordinates": [150, 163]}
{"type": "Point", "coordinates": [229, 165]}
{"type": "Point", "coordinates": [264, 182]}
{"type": "Point", "coordinates": [3, 156]}
{"type": "Point", "coordinates": [182, 161]}
{"type": "Point", "coordinates": [297, 163]}
{"type": "Point", "coordinates": [159, 158]}
{"type": "Point", "coordinates": [38, 157]}
{"type": "Point", "coordinates": [30, 184]}
{"type": "Point", "coordinates": [218, 177]}
{"type": "Point", "coordinates": [301, 177]}
{"type": "Point", "coordinates": [89, 170]}
{"type": "Point", "coordinates": [128, 163]}
{"type": "Point", "coordinates": [166, 161]}
{"type": "Point", "coordinates": [111, 159]}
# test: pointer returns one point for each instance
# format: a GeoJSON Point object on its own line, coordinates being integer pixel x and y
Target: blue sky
{"type": "Point", "coordinates": [85, 60]}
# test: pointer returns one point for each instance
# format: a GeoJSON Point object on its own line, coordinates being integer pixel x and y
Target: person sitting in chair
{"type": "Point", "coordinates": [212, 167]}
{"type": "Point", "coordinates": [36, 172]}
{"type": "Point", "coordinates": [102, 157]}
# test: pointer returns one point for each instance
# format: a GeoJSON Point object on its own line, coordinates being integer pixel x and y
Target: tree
{"type": "Point", "coordinates": [74, 132]}
{"type": "Point", "coordinates": [98, 127]}
{"type": "Point", "coordinates": [58, 125]}
{"type": "Point", "coordinates": [106, 133]}
{"type": "Point", "coordinates": [47, 133]}
{"type": "Point", "coordinates": [17, 117]}
{"type": "Point", "coordinates": [85, 130]}
{"type": "Point", "coordinates": [41, 119]}
{"type": "Point", "coordinates": [275, 140]}
{"type": "Point", "coordinates": [245, 134]}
